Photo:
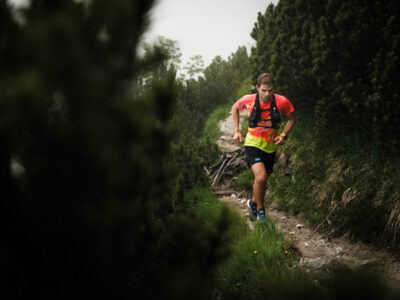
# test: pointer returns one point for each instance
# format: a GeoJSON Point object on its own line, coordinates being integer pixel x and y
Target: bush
{"type": "Point", "coordinates": [349, 179]}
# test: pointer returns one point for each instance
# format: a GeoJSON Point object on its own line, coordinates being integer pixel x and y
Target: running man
{"type": "Point", "coordinates": [263, 138]}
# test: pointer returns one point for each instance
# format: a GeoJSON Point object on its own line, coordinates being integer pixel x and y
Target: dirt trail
{"type": "Point", "coordinates": [225, 142]}
{"type": "Point", "coordinates": [317, 249]}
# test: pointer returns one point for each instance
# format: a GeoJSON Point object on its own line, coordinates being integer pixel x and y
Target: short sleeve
{"type": "Point", "coordinates": [246, 102]}
{"type": "Point", "coordinates": [285, 106]}
{"type": "Point", "coordinates": [241, 103]}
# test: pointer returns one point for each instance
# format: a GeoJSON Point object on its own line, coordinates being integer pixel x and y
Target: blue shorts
{"type": "Point", "coordinates": [255, 155]}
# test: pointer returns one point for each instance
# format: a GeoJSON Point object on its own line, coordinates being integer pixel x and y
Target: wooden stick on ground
{"type": "Point", "coordinates": [224, 165]}
{"type": "Point", "coordinates": [220, 170]}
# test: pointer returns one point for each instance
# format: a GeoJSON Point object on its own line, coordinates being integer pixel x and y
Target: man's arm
{"type": "Point", "coordinates": [236, 117]}
{"type": "Point", "coordinates": [280, 140]}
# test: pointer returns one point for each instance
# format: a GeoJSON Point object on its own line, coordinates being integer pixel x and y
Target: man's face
{"type": "Point", "coordinates": [265, 91]}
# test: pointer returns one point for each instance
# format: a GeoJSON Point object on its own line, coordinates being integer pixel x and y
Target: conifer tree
{"type": "Point", "coordinates": [83, 161]}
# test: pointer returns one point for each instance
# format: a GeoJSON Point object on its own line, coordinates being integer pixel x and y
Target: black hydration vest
{"type": "Point", "coordinates": [255, 115]}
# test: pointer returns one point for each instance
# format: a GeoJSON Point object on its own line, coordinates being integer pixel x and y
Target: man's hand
{"type": "Point", "coordinates": [279, 140]}
{"type": "Point", "coordinates": [237, 137]}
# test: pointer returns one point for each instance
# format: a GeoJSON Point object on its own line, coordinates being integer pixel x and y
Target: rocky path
{"type": "Point", "coordinates": [317, 249]}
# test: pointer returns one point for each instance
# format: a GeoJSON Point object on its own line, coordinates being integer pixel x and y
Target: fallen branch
{"type": "Point", "coordinates": [220, 170]}
{"type": "Point", "coordinates": [223, 167]}
{"type": "Point", "coordinates": [219, 162]}
{"type": "Point", "coordinates": [240, 194]}
{"type": "Point", "coordinates": [228, 165]}
{"type": "Point", "coordinates": [207, 171]}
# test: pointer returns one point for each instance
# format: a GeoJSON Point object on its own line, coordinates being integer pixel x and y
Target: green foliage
{"type": "Point", "coordinates": [211, 128]}
{"type": "Point", "coordinates": [194, 250]}
{"type": "Point", "coordinates": [261, 261]}
{"type": "Point", "coordinates": [341, 70]}
{"type": "Point", "coordinates": [91, 164]}
{"type": "Point", "coordinates": [327, 56]}
{"type": "Point", "coordinates": [347, 181]}
{"type": "Point", "coordinates": [185, 165]}
{"type": "Point", "coordinates": [263, 265]}
{"type": "Point", "coordinates": [245, 126]}
{"type": "Point", "coordinates": [363, 282]}
{"type": "Point", "coordinates": [194, 127]}
{"type": "Point", "coordinates": [220, 82]}
{"type": "Point", "coordinates": [73, 212]}
{"type": "Point", "coordinates": [195, 66]}
{"type": "Point", "coordinates": [246, 88]}
{"type": "Point", "coordinates": [244, 181]}
{"type": "Point", "coordinates": [102, 155]}
{"type": "Point", "coordinates": [158, 61]}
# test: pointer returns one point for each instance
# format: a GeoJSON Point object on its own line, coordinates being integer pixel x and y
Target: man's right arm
{"type": "Point", "coordinates": [236, 117]}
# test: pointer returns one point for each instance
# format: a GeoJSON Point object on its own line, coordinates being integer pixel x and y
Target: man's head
{"type": "Point", "coordinates": [265, 86]}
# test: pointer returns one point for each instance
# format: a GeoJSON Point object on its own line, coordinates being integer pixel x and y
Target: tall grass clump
{"type": "Point", "coordinates": [262, 259]}
{"type": "Point", "coordinates": [341, 180]}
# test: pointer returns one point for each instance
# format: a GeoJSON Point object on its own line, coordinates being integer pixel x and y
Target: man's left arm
{"type": "Point", "coordinates": [280, 140]}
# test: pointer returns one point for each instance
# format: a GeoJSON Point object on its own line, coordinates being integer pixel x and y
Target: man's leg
{"type": "Point", "coordinates": [260, 180]}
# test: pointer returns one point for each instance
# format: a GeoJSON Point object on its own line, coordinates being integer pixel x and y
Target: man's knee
{"type": "Point", "coordinates": [260, 178]}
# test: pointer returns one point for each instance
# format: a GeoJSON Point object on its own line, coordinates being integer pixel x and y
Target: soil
{"type": "Point", "coordinates": [317, 249]}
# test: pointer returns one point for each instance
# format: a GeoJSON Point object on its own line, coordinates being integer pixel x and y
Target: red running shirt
{"type": "Point", "coordinates": [262, 137]}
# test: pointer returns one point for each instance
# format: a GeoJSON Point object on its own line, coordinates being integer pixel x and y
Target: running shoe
{"type": "Point", "coordinates": [261, 215]}
{"type": "Point", "coordinates": [253, 208]}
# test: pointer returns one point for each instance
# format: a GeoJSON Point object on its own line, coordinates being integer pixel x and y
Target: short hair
{"type": "Point", "coordinates": [265, 78]}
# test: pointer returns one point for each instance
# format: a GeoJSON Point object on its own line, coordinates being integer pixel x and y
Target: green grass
{"type": "Point", "coordinates": [260, 260]}
{"type": "Point", "coordinates": [342, 172]}
{"type": "Point", "coordinates": [244, 181]}
{"type": "Point", "coordinates": [262, 263]}
{"type": "Point", "coordinates": [204, 205]}
{"type": "Point", "coordinates": [211, 127]}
